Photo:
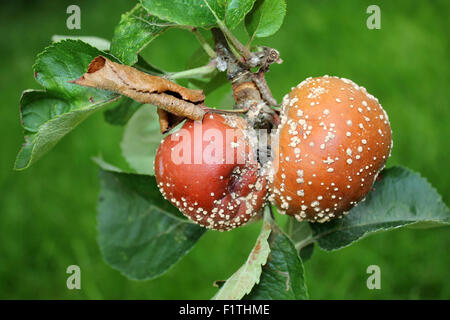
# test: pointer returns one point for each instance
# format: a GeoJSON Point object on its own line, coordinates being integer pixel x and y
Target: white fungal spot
{"type": "Point", "coordinates": [328, 161]}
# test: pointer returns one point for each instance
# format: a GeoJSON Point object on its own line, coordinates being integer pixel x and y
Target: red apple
{"type": "Point", "coordinates": [208, 171]}
{"type": "Point", "coordinates": [334, 139]}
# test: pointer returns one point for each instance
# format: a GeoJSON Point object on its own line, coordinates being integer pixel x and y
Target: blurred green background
{"type": "Point", "coordinates": [48, 212]}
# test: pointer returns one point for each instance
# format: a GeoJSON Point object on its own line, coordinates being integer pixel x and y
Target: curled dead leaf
{"type": "Point", "coordinates": [182, 102]}
{"type": "Point", "coordinates": [167, 120]}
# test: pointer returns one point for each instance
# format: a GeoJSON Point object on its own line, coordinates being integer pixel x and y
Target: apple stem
{"type": "Point", "coordinates": [250, 89]}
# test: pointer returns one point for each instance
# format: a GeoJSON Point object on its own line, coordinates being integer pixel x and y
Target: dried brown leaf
{"type": "Point", "coordinates": [167, 120]}
{"type": "Point", "coordinates": [104, 74]}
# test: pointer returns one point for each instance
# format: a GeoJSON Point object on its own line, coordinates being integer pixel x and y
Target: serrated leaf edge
{"type": "Point", "coordinates": [381, 229]}
{"type": "Point", "coordinates": [95, 106]}
{"type": "Point", "coordinates": [178, 223]}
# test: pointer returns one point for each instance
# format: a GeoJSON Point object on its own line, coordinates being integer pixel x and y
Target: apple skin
{"type": "Point", "coordinates": [334, 139]}
{"type": "Point", "coordinates": [207, 170]}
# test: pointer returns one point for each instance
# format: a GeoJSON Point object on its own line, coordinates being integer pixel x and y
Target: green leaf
{"type": "Point", "coordinates": [301, 234]}
{"type": "Point", "coordinates": [136, 29]}
{"type": "Point", "coordinates": [141, 140]}
{"type": "Point", "coordinates": [218, 81]}
{"type": "Point", "coordinates": [306, 252]}
{"type": "Point", "coordinates": [187, 12]}
{"type": "Point", "coordinates": [210, 82]}
{"type": "Point", "coordinates": [141, 234]}
{"type": "Point", "coordinates": [104, 165]}
{"type": "Point", "coordinates": [96, 42]}
{"type": "Point", "coordinates": [401, 197]}
{"type": "Point", "coordinates": [122, 113]}
{"type": "Point", "coordinates": [283, 275]}
{"type": "Point", "coordinates": [266, 18]}
{"type": "Point", "coordinates": [210, 85]}
{"type": "Point", "coordinates": [236, 12]}
{"type": "Point", "coordinates": [48, 115]}
{"type": "Point", "coordinates": [144, 66]}
{"type": "Point", "coordinates": [198, 58]}
{"type": "Point", "coordinates": [244, 279]}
